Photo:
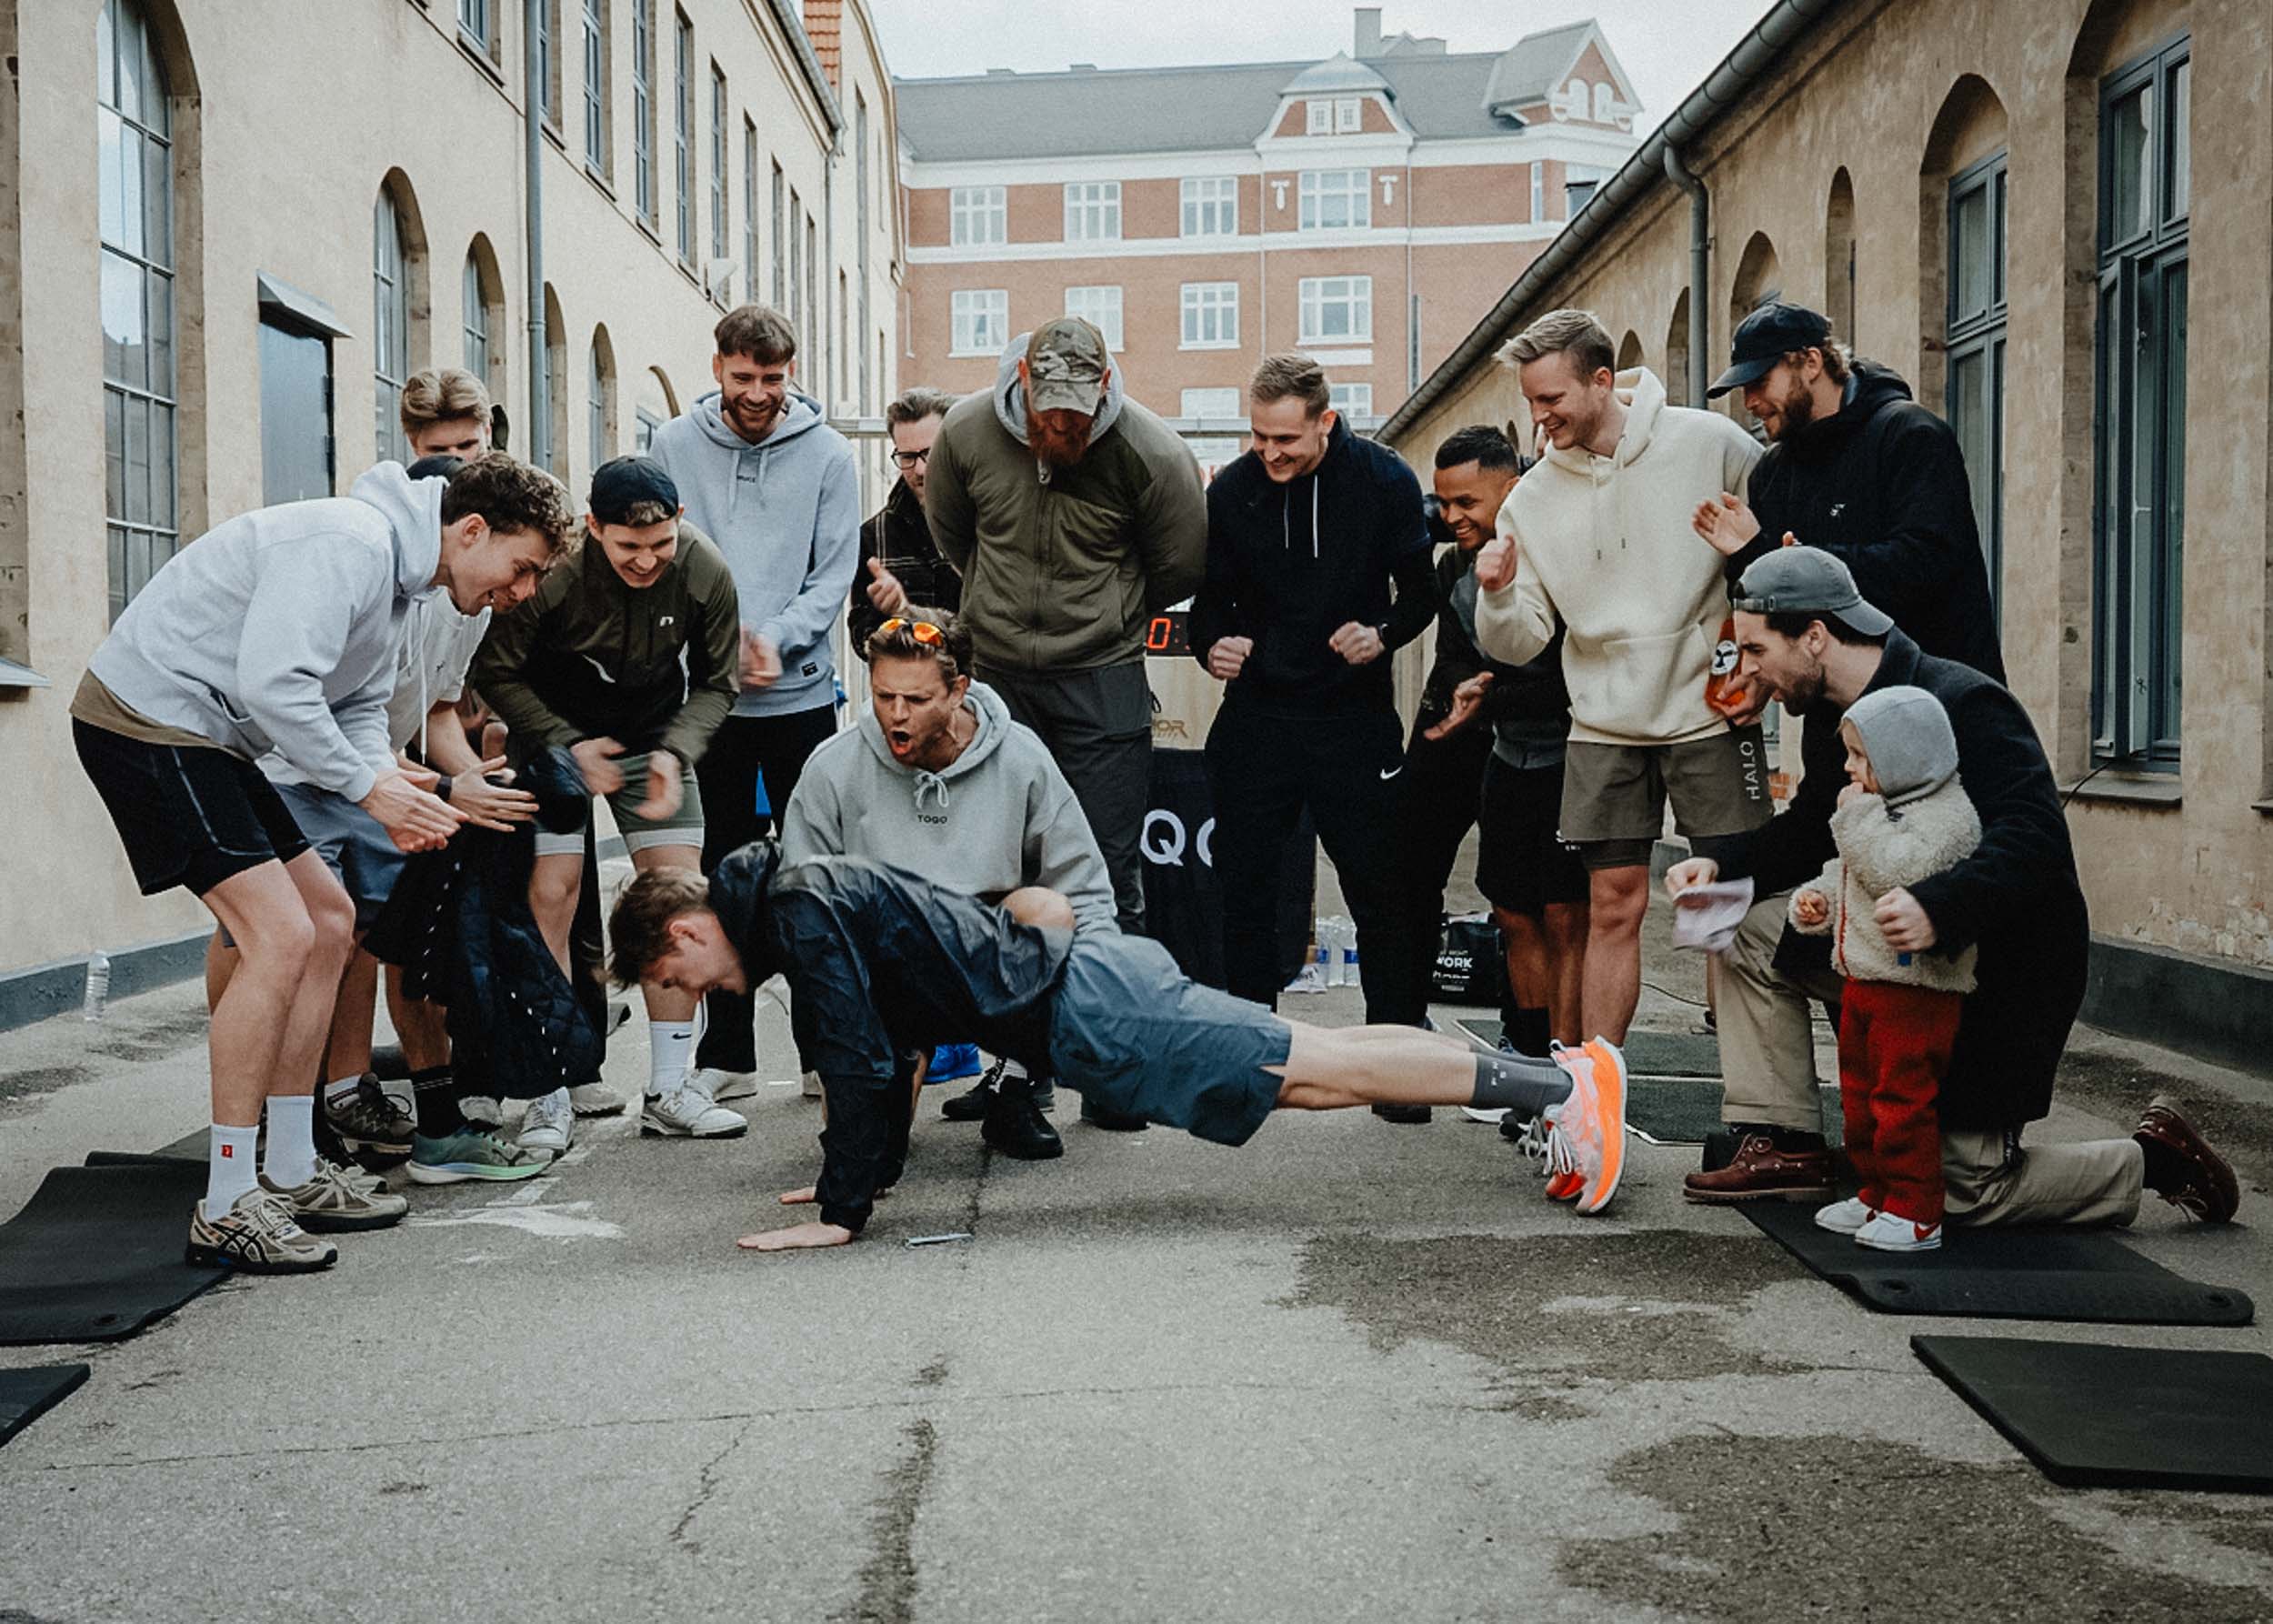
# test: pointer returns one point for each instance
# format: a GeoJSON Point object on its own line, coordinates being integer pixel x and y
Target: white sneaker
{"type": "Point", "coordinates": [594, 1099]}
{"type": "Point", "coordinates": [715, 1085]}
{"type": "Point", "coordinates": [1844, 1218]}
{"type": "Point", "coordinates": [483, 1107]}
{"type": "Point", "coordinates": [550, 1124]}
{"type": "Point", "coordinates": [1887, 1232]}
{"type": "Point", "coordinates": [685, 1113]}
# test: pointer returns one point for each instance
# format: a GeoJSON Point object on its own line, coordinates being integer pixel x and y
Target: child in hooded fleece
{"type": "Point", "coordinates": [1902, 817]}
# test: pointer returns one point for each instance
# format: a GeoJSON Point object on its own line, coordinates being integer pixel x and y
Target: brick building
{"type": "Point", "coordinates": [1362, 208]}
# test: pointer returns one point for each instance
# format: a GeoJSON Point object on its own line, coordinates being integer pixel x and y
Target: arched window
{"type": "Point", "coordinates": [475, 310]}
{"type": "Point", "coordinates": [1839, 256]}
{"type": "Point", "coordinates": [600, 399]}
{"type": "Point", "coordinates": [1759, 277]}
{"type": "Point", "coordinates": [1676, 378]}
{"type": "Point", "coordinates": [556, 387]}
{"type": "Point", "coordinates": [481, 312]}
{"type": "Point", "coordinates": [1606, 107]}
{"type": "Point", "coordinates": [135, 123]}
{"type": "Point", "coordinates": [390, 324]}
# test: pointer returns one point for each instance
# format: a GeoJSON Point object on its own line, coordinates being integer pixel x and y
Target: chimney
{"type": "Point", "coordinates": [1368, 33]}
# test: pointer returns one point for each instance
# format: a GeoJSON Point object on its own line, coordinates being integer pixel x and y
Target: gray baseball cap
{"type": "Point", "coordinates": [1065, 363]}
{"type": "Point", "coordinates": [1807, 581]}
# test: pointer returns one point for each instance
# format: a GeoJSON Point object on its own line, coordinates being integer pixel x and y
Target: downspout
{"type": "Point", "coordinates": [533, 152]}
{"type": "Point", "coordinates": [1701, 268]}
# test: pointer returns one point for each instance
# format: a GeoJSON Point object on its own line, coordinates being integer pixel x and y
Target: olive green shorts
{"type": "Point", "coordinates": [1615, 796]}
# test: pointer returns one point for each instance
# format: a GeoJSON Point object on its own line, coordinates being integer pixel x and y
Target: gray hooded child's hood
{"type": "Point", "coordinates": [1908, 736]}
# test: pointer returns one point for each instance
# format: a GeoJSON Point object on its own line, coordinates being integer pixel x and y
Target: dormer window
{"type": "Point", "coordinates": [1346, 115]}
{"type": "Point", "coordinates": [1318, 118]}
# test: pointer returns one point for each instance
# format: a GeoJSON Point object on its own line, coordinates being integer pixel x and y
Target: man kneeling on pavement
{"type": "Point", "coordinates": [1803, 630]}
{"type": "Point", "coordinates": [940, 780]}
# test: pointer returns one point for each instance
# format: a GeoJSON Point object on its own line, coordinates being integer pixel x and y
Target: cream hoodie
{"type": "Point", "coordinates": [1604, 544]}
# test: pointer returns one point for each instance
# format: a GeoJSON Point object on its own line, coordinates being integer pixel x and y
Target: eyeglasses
{"type": "Point", "coordinates": [908, 459]}
{"type": "Point", "coordinates": [923, 631]}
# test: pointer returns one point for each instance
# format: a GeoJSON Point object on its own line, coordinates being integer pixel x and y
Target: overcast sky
{"type": "Point", "coordinates": [1665, 47]}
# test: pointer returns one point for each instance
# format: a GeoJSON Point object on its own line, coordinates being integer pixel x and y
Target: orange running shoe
{"type": "Point", "coordinates": [1559, 1166]}
{"type": "Point", "coordinates": [1593, 1119]}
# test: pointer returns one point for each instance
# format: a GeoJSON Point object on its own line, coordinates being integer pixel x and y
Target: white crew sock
{"type": "Point", "coordinates": [228, 1167]}
{"type": "Point", "coordinates": [1014, 1071]}
{"type": "Point", "coordinates": [670, 1049]}
{"type": "Point", "coordinates": [291, 1159]}
{"type": "Point", "coordinates": [344, 1087]}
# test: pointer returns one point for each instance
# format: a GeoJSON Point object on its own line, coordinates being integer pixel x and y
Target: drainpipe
{"type": "Point", "coordinates": [1701, 268]}
{"type": "Point", "coordinates": [533, 151]}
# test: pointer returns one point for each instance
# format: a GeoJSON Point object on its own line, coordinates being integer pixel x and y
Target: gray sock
{"type": "Point", "coordinates": [1520, 1083]}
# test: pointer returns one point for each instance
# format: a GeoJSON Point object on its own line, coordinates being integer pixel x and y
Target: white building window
{"type": "Point", "coordinates": [977, 216]}
{"type": "Point", "coordinates": [1351, 400]}
{"type": "Point", "coordinates": [1606, 109]}
{"type": "Point", "coordinates": [1337, 309]}
{"type": "Point", "coordinates": [1211, 206]}
{"type": "Point", "coordinates": [1211, 402]}
{"type": "Point", "coordinates": [1318, 118]}
{"type": "Point", "coordinates": [1211, 315]}
{"type": "Point", "coordinates": [982, 321]}
{"type": "Point", "coordinates": [1335, 200]}
{"type": "Point", "coordinates": [1093, 211]}
{"type": "Point", "coordinates": [1538, 191]}
{"type": "Point", "coordinates": [1347, 114]}
{"type": "Point", "coordinates": [1100, 307]}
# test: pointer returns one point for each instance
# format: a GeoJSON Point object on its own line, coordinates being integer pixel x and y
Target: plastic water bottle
{"type": "Point", "coordinates": [1350, 977]}
{"type": "Point", "coordinates": [99, 986]}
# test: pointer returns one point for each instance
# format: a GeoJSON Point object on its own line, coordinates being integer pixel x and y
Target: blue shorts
{"type": "Point", "coordinates": [1131, 1032]}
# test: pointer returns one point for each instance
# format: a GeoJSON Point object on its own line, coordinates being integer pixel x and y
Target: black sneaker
{"type": "Point", "coordinates": [1112, 1121]}
{"type": "Point", "coordinates": [975, 1104]}
{"type": "Point", "coordinates": [1413, 1114]}
{"type": "Point", "coordinates": [1017, 1128]}
{"type": "Point", "coordinates": [371, 1122]}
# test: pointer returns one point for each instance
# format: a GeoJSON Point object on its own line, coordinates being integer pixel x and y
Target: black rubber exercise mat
{"type": "Point", "coordinates": [2083, 1276]}
{"type": "Point", "coordinates": [1647, 1054]}
{"type": "Point", "coordinates": [1685, 1110]}
{"type": "Point", "coordinates": [96, 1253]}
{"type": "Point", "coordinates": [2094, 1417]}
{"type": "Point", "coordinates": [30, 1391]}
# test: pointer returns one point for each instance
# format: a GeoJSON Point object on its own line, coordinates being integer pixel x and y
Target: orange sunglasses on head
{"type": "Point", "coordinates": [923, 631]}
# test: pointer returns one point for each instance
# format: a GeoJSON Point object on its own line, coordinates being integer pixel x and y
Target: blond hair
{"type": "Point", "coordinates": [1290, 376]}
{"type": "Point", "coordinates": [443, 394]}
{"type": "Point", "coordinates": [1572, 333]}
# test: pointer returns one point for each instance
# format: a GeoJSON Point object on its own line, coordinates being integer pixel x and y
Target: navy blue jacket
{"type": "Point", "coordinates": [1290, 565]}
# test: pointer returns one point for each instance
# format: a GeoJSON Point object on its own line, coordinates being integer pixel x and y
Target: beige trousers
{"type": "Point", "coordinates": [1768, 1062]}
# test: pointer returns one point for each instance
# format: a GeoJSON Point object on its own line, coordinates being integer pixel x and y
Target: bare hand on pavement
{"type": "Point", "coordinates": [797, 1237]}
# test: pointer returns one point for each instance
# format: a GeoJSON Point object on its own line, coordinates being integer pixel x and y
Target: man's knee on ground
{"type": "Point", "coordinates": [1040, 906]}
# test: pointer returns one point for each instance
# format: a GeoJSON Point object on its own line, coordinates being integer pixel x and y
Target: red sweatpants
{"type": "Point", "coordinates": [1894, 1046]}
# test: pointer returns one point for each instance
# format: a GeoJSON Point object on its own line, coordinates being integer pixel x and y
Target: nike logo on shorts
{"type": "Point", "coordinates": [1393, 772]}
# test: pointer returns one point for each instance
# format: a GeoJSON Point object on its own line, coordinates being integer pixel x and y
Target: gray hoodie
{"type": "Point", "coordinates": [279, 629]}
{"type": "Point", "coordinates": [785, 512]}
{"type": "Point", "coordinates": [1000, 817]}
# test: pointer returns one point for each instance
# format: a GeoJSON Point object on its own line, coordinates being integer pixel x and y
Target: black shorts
{"type": "Point", "coordinates": [188, 817]}
{"type": "Point", "coordinates": [1521, 865]}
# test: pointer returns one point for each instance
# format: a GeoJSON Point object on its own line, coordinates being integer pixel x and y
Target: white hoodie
{"type": "Point", "coordinates": [1605, 545]}
{"type": "Point", "coordinates": [279, 630]}
{"type": "Point", "coordinates": [1001, 816]}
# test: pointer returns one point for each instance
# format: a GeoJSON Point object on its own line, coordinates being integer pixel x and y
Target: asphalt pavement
{"type": "Point", "coordinates": [1351, 1371]}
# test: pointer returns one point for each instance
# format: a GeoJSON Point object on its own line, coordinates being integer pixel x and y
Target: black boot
{"type": "Point", "coordinates": [976, 1103]}
{"type": "Point", "coordinates": [1015, 1126]}
{"type": "Point", "coordinates": [1112, 1121]}
{"type": "Point", "coordinates": [1402, 1113]}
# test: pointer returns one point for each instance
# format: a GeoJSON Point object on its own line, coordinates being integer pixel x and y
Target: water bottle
{"type": "Point", "coordinates": [1350, 977]}
{"type": "Point", "coordinates": [99, 986]}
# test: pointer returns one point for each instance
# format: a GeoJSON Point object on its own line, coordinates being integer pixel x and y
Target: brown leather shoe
{"type": "Point", "coordinates": [1760, 1172]}
{"type": "Point", "coordinates": [2198, 1181]}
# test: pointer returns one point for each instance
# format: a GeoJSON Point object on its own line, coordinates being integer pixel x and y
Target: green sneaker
{"type": "Point", "coordinates": [472, 1154]}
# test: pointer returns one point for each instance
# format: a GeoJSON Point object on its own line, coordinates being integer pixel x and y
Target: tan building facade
{"type": "Point", "coordinates": [2009, 206]}
{"type": "Point", "coordinates": [1361, 208]}
{"type": "Point", "coordinates": [232, 227]}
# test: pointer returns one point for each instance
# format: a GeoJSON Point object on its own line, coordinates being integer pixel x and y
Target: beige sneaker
{"type": "Point", "coordinates": [258, 1235]}
{"type": "Point", "coordinates": [335, 1200]}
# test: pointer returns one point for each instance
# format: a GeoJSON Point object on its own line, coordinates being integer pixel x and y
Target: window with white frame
{"type": "Point", "coordinates": [1337, 309]}
{"type": "Point", "coordinates": [977, 216]}
{"type": "Point", "coordinates": [1351, 400]}
{"type": "Point", "coordinates": [981, 321]}
{"type": "Point", "coordinates": [1348, 112]}
{"type": "Point", "coordinates": [1335, 200]}
{"type": "Point", "coordinates": [1100, 307]}
{"type": "Point", "coordinates": [1211, 402]}
{"type": "Point", "coordinates": [1093, 211]}
{"type": "Point", "coordinates": [1211, 206]}
{"type": "Point", "coordinates": [1318, 118]}
{"type": "Point", "coordinates": [1606, 107]}
{"type": "Point", "coordinates": [1538, 190]}
{"type": "Point", "coordinates": [1211, 315]}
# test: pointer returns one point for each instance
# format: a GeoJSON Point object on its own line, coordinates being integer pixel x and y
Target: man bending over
{"type": "Point", "coordinates": [881, 966]}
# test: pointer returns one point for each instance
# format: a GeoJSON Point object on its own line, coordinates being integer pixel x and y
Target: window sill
{"type": "Point", "coordinates": [599, 179]}
{"type": "Point", "coordinates": [553, 134]}
{"type": "Point", "coordinates": [478, 55]}
{"type": "Point", "coordinates": [649, 229]}
{"type": "Point", "coordinates": [1216, 345]}
{"type": "Point", "coordinates": [12, 676]}
{"type": "Point", "coordinates": [1333, 341]}
{"type": "Point", "coordinates": [2137, 789]}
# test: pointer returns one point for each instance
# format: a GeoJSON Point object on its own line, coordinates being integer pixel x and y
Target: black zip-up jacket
{"type": "Point", "coordinates": [591, 656]}
{"type": "Point", "coordinates": [1290, 565]}
{"type": "Point", "coordinates": [898, 533]}
{"type": "Point", "coordinates": [1530, 702]}
{"type": "Point", "coordinates": [1881, 484]}
{"type": "Point", "coordinates": [2016, 897]}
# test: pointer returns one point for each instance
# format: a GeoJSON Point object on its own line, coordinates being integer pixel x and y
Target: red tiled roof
{"type": "Point", "coordinates": [825, 26]}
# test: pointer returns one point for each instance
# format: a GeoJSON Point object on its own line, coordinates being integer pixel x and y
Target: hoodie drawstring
{"type": "Point", "coordinates": [1286, 519]}
{"type": "Point", "coordinates": [930, 784]}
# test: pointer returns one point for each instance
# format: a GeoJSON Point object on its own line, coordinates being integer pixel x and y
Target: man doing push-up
{"type": "Point", "coordinates": [882, 964]}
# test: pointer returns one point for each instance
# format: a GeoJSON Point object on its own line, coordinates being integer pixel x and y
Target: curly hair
{"type": "Point", "coordinates": [512, 495]}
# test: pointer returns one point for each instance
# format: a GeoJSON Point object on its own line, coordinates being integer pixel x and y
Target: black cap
{"type": "Point", "coordinates": [1764, 337]}
{"type": "Point", "coordinates": [619, 486]}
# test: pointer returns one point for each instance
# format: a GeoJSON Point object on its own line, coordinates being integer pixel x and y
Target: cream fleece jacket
{"type": "Point", "coordinates": [1883, 848]}
{"type": "Point", "coordinates": [1603, 544]}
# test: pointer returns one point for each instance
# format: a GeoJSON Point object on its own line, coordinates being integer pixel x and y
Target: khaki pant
{"type": "Point", "coordinates": [1767, 1060]}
